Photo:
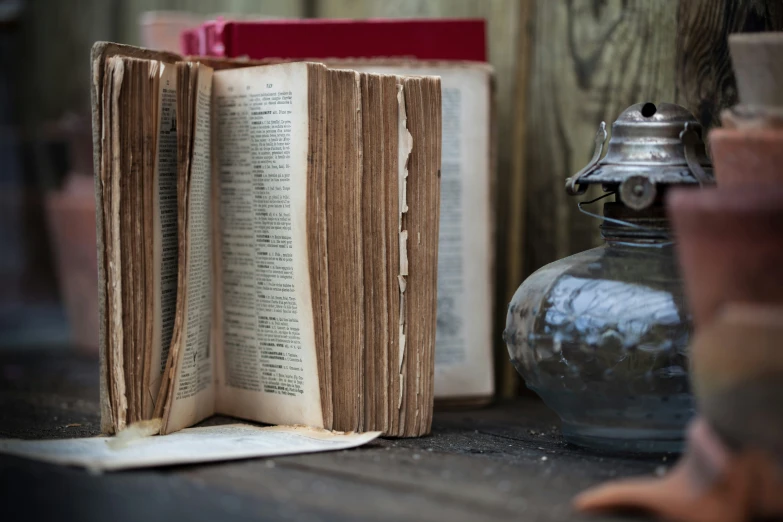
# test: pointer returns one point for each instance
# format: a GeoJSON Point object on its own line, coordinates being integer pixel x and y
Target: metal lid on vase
{"type": "Point", "coordinates": [651, 145]}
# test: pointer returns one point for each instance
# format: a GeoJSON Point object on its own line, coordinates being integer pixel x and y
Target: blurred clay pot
{"type": "Point", "coordinates": [757, 64]}
{"type": "Point", "coordinates": [737, 372]}
{"type": "Point", "coordinates": [730, 245]}
{"type": "Point", "coordinates": [71, 216]}
{"type": "Point", "coordinates": [749, 156]}
{"type": "Point", "coordinates": [161, 30]}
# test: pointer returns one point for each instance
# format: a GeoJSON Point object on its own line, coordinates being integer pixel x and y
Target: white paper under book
{"type": "Point", "coordinates": [188, 446]}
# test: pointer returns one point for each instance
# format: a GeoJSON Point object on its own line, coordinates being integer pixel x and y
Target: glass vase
{"type": "Point", "coordinates": [602, 336]}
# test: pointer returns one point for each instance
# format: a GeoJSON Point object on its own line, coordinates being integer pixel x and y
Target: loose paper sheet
{"type": "Point", "coordinates": [189, 446]}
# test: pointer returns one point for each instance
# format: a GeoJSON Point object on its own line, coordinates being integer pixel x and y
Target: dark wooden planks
{"type": "Point", "coordinates": [510, 197]}
{"type": "Point", "coordinates": [336, 495]}
{"type": "Point", "coordinates": [500, 463]}
{"type": "Point", "coordinates": [36, 491]}
{"type": "Point", "coordinates": [48, 394]}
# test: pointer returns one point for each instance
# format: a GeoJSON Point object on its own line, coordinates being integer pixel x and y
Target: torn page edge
{"type": "Point", "coordinates": [99, 160]}
{"type": "Point", "coordinates": [135, 432]}
{"type": "Point", "coordinates": [116, 372]}
{"type": "Point", "coordinates": [404, 151]}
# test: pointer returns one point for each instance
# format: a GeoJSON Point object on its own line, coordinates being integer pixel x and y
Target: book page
{"type": "Point", "coordinates": [165, 230]}
{"type": "Point", "coordinates": [189, 446]}
{"type": "Point", "coordinates": [463, 343]}
{"type": "Point", "coordinates": [193, 397]}
{"type": "Point", "coordinates": [268, 368]}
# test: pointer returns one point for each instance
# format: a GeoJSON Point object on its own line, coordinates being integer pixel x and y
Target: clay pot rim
{"type": "Point", "coordinates": [737, 201]}
{"type": "Point", "coordinates": [765, 37]}
{"type": "Point", "coordinates": [748, 133]}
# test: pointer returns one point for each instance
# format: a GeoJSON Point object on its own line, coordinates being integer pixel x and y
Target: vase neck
{"type": "Point", "coordinates": [644, 227]}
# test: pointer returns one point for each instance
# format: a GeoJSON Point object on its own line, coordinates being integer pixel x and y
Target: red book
{"type": "Point", "coordinates": [422, 39]}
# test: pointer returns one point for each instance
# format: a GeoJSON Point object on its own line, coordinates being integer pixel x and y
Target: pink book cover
{"type": "Point", "coordinates": [421, 39]}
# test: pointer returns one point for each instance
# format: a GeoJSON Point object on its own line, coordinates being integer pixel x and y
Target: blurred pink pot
{"type": "Point", "coordinates": [71, 216]}
{"type": "Point", "coordinates": [730, 245]}
{"type": "Point", "coordinates": [747, 156]}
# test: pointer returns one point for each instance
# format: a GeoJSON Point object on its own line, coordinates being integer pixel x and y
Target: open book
{"type": "Point", "coordinates": [464, 370]}
{"type": "Point", "coordinates": [267, 241]}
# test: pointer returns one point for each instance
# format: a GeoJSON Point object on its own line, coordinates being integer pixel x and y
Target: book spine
{"type": "Point", "coordinates": [213, 38]}
{"type": "Point", "coordinates": [313, 39]}
{"type": "Point", "coordinates": [189, 42]}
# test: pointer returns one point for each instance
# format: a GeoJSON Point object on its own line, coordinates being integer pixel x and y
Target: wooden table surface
{"type": "Point", "coordinates": [505, 462]}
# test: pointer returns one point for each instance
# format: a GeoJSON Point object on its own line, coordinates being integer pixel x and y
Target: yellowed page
{"type": "Point", "coordinates": [269, 367]}
{"type": "Point", "coordinates": [165, 228]}
{"type": "Point", "coordinates": [463, 343]}
{"type": "Point", "coordinates": [116, 68]}
{"type": "Point", "coordinates": [193, 397]}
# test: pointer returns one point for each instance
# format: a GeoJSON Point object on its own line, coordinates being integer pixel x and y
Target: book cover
{"type": "Point", "coordinates": [420, 39]}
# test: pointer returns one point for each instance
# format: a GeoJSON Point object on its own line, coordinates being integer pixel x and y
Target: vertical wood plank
{"type": "Point", "coordinates": [591, 60]}
{"type": "Point", "coordinates": [511, 201]}
{"type": "Point", "coordinates": [266, 8]}
{"type": "Point", "coordinates": [705, 81]}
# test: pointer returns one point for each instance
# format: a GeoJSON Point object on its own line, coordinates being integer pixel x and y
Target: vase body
{"type": "Point", "coordinates": [602, 337]}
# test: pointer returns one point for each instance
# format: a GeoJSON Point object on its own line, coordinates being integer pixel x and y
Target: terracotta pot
{"type": "Point", "coordinates": [758, 67]}
{"type": "Point", "coordinates": [161, 30]}
{"type": "Point", "coordinates": [730, 246]}
{"type": "Point", "coordinates": [747, 156]}
{"type": "Point", "coordinates": [737, 373]}
{"type": "Point", "coordinates": [71, 216]}
{"type": "Point", "coordinates": [747, 117]}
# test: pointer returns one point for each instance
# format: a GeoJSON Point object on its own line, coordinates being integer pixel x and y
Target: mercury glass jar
{"type": "Point", "coordinates": [602, 335]}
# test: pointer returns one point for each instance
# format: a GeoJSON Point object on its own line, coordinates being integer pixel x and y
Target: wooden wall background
{"type": "Point", "coordinates": [562, 67]}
